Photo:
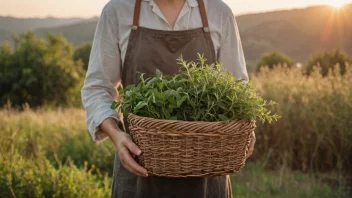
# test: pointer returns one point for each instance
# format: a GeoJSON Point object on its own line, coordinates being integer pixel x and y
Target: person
{"type": "Point", "coordinates": [140, 36]}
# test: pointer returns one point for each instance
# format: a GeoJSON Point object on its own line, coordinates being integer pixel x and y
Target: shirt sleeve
{"type": "Point", "coordinates": [231, 52]}
{"type": "Point", "coordinates": [103, 75]}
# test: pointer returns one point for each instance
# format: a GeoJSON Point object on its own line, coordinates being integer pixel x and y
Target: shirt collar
{"type": "Point", "coordinates": [191, 3]}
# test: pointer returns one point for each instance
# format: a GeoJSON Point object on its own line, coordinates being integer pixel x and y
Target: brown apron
{"type": "Point", "coordinates": [148, 50]}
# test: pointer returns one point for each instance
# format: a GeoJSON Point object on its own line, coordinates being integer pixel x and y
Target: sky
{"type": "Point", "coordinates": [90, 8]}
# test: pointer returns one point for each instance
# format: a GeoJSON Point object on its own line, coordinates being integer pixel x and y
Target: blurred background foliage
{"type": "Point", "coordinates": [273, 59]}
{"type": "Point", "coordinates": [40, 72]}
{"type": "Point", "coordinates": [46, 151]}
{"type": "Point", "coordinates": [82, 53]}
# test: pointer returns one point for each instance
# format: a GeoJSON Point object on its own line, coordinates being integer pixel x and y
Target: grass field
{"type": "Point", "coordinates": [49, 153]}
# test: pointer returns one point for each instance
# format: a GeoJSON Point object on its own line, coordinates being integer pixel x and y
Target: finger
{"type": "Point", "coordinates": [132, 147]}
{"type": "Point", "coordinates": [253, 140]}
{"type": "Point", "coordinates": [132, 171]}
{"type": "Point", "coordinates": [249, 153]}
{"type": "Point", "coordinates": [131, 164]}
{"type": "Point", "coordinates": [251, 146]}
{"type": "Point", "coordinates": [125, 164]}
{"type": "Point", "coordinates": [253, 136]}
{"type": "Point", "coordinates": [135, 166]}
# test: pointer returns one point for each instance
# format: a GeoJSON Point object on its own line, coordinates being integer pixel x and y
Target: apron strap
{"type": "Point", "coordinates": [203, 14]}
{"type": "Point", "coordinates": [137, 11]}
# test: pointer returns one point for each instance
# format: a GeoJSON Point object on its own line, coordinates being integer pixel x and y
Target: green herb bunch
{"type": "Point", "coordinates": [199, 92]}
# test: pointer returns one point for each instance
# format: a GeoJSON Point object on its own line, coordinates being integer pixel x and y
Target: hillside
{"type": "Point", "coordinates": [275, 35]}
{"type": "Point", "coordinates": [75, 33]}
{"type": "Point", "coordinates": [304, 17]}
{"type": "Point", "coordinates": [19, 25]}
{"type": "Point", "coordinates": [298, 32]}
{"type": "Point", "coordinates": [14, 26]}
{"type": "Point", "coordinates": [4, 34]}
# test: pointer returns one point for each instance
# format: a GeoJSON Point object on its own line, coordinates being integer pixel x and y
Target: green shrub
{"type": "Point", "coordinates": [40, 72]}
{"type": "Point", "coordinates": [101, 155]}
{"type": "Point", "coordinates": [36, 177]}
{"type": "Point", "coordinates": [326, 61]}
{"type": "Point", "coordinates": [273, 59]}
{"type": "Point", "coordinates": [82, 52]}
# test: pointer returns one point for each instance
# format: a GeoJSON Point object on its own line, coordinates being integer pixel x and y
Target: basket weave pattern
{"type": "Point", "coordinates": [191, 149]}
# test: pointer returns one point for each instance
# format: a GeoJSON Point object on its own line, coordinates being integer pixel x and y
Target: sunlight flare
{"type": "Point", "coordinates": [336, 3]}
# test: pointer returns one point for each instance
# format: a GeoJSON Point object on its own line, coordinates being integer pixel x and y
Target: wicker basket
{"type": "Point", "coordinates": [191, 149]}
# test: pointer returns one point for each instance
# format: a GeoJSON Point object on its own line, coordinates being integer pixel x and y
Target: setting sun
{"type": "Point", "coordinates": [337, 3]}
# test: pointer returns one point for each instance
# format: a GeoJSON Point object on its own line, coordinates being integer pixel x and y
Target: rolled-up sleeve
{"type": "Point", "coordinates": [231, 52]}
{"type": "Point", "coordinates": [103, 75]}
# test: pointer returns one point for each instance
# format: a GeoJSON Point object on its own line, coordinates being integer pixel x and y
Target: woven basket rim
{"type": "Point", "coordinates": [188, 122]}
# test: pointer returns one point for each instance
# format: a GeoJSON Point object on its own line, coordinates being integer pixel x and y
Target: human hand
{"type": "Point", "coordinates": [251, 145]}
{"type": "Point", "coordinates": [124, 146]}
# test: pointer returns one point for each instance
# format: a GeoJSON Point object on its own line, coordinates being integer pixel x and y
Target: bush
{"type": "Point", "coordinates": [36, 177]}
{"type": "Point", "coordinates": [40, 72]}
{"type": "Point", "coordinates": [274, 59]}
{"type": "Point", "coordinates": [82, 53]}
{"type": "Point", "coordinates": [314, 133]}
{"type": "Point", "coordinates": [327, 61]}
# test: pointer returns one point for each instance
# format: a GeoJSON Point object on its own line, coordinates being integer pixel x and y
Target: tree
{"type": "Point", "coordinates": [274, 59]}
{"type": "Point", "coordinates": [40, 72]}
{"type": "Point", "coordinates": [327, 61]}
{"type": "Point", "coordinates": [82, 53]}
{"type": "Point", "coordinates": [5, 71]}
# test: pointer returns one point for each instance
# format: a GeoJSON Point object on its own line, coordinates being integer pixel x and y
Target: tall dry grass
{"type": "Point", "coordinates": [59, 135]}
{"type": "Point", "coordinates": [50, 154]}
{"type": "Point", "coordinates": [315, 131]}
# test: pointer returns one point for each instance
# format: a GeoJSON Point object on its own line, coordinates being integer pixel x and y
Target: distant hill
{"type": "Point", "coordinates": [19, 25]}
{"type": "Point", "coordinates": [303, 17]}
{"type": "Point", "coordinates": [275, 35]}
{"type": "Point", "coordinates": [75, 33]}
{"type": "Point", "coordinates": [4, 34]}
{"type": "Point", "coordinates": [14, 26]}
{"type": "Point", "coordinates": [298, 32]}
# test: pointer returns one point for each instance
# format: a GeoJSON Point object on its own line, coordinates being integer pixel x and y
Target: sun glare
{"type": "Point", "coordinates": [337, 3]}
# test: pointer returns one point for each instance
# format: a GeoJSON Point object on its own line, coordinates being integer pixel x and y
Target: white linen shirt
{"type": "Point", "coordinates": [110, 45]}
